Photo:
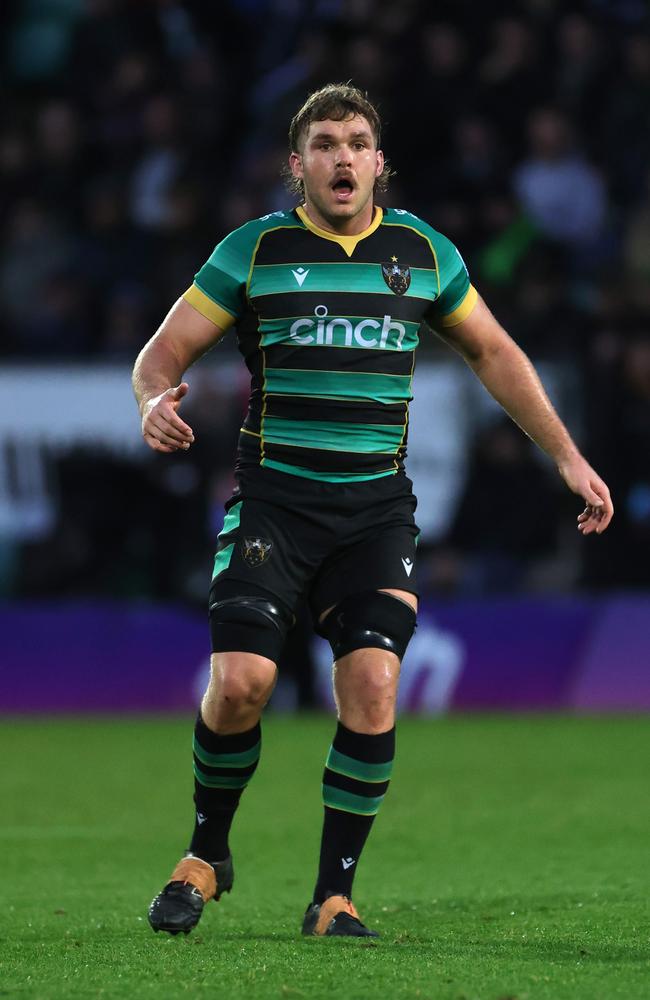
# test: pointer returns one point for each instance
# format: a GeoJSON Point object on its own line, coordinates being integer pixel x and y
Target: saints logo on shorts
{"type": "Point", "coordinates": [397, 278]}
{"type": "Point", "coordinates": [255, 551]}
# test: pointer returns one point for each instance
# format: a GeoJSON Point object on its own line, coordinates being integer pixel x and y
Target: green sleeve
{"type": "Point", "coordinates": [457, 296]}
{"type": "Point", "coordinates": [219, 288]}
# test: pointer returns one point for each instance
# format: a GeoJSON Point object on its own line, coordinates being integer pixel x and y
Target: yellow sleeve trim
{"type": "Point", "coordinates": [208, 308]}
{"type": "Point", "coordinates": [462, 311]}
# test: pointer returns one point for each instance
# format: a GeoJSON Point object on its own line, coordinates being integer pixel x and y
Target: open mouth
{"type": "Point", "coordinates": [343, 189]}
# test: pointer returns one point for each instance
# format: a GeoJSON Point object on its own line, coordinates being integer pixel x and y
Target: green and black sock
{"type": "Point", "coordinates": [357, 774]}
{"type": "Point", "coordinates": [223, 766]}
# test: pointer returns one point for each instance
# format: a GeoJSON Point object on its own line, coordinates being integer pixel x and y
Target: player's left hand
{"type": "Point", "coordinates": [583, 480]}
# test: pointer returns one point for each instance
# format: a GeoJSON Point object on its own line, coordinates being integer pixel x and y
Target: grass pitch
{"type": "Point", "coordinates": [510, 860]}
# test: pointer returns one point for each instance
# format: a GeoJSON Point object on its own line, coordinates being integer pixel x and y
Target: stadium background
{"type": "Point", "coordinates": [510, 858]}
{"type": "Point", "coordinates": [134, 136]}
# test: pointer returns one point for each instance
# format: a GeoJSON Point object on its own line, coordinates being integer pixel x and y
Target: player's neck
{"type": "Point", "coordinates": [341, 227]}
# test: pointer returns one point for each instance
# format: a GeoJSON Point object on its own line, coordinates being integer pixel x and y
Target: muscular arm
{"type": "Point", "coordinates": [508, 375]}
{"type": "Point", "coordinates": [184, 335]}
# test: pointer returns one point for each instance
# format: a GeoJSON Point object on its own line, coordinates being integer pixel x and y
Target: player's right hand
{"type": "Point", "coordinates": [162, 428]}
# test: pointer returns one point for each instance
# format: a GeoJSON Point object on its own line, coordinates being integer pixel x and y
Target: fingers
{"type": "Point", "coordinates": [179, 391]}
{"type": "Point", "coordinates": [597, 514]}
{"type": "Point", "coordinates": [167, 431]}
{"type": "Point", "coordinates": [162, 424]}
{"type": "Point", "coordinates": [157, 445]}
{"type": "Point", "coordinates": [592, 498]}
{"type": "Point", "coordinates": [590, 520]}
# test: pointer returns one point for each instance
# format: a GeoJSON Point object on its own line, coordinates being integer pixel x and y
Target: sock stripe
{"type": "Point", "coordinates": [336, 798]}
{"type": "Point", "coordinates": [369, 789]}
{"type": "Point", "coordinates": [242, 759]}
{"type": "Point", "coordinates": [223, 766]}
{"type": "Point", "coordinates": [220, 780]}
{"type": "Point", "coordinates": [356, 779]}
{"type": "Point", "coordinates": [359, 769]}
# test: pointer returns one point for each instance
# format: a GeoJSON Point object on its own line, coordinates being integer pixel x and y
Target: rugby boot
{"type": "Point", "coordinates": [193, 882]}
{"type": "Point", "coordinates": [335, 917]}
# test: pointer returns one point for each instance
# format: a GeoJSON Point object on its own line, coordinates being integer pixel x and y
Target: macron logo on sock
{"type": "Point", "coordinates": [347, 863]}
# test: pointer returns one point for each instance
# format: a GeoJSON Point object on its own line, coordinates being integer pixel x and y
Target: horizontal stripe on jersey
{"type": "Point", "coordinates": [332, 410]}
{"type": "Point", "coordinates": [402, 308]}
{"type": "Point", "coordinates": [337, 385]}
{"type": "Point", "coordinates": [279, 279]}
{"type": "Point", "coordinates": [255, 450]}
{"type": "Point", "coordinates": [327, 358]}
{"type": "Point", "coordinates": [323, 460]}
{"type": "Point", "coordinates": [325, 477]}
{"type": "Point", "coordinates": [348, 437]}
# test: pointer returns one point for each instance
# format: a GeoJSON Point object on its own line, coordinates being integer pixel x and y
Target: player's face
{"type": "Point", "coordinates": [338, 165]}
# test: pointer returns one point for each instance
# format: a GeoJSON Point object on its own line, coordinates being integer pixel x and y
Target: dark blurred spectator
{"type": "Point", "coordinates": [111, 251]}
{"type": "Point", "coordinates": [619, 426]}
{"type": "Point", "coordinates": [505, 518]}
{"type": "Point", "coordinates": [582, 67]}
{"type": "Point", "coordinates": [440, 74]}
{"type": "Point", "coordinates": [128, 322]}
{"type": "Point", "coordinates": [59, 160]}
{"type": "Point", "coordinates": [545, 320]}
{"type": "Point", "coordinates": [159, 166]}
{"type": "Point", "coordinates": [561, 191]}
{"type": "Point", "coordinates": [625, 120]}
{"type": "Point", "coordinates": [636, 241]}
{"type": "Point", "coordinates": [39, 38]}
{"type": "Point", "coordinates": [35, 252]}
{"type": "Point", "coordinates": [510, 77]}
{"type": "Point", "coordinates": [57, 325]}
{"type": "Point", "coordinates": [17, 171]}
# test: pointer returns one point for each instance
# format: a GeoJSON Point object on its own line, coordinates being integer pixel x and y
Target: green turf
{"type": "Point", "coordinates": [510, 860]}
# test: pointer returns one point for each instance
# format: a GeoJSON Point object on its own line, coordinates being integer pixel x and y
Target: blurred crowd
{"type": "Point", "coordinates": [138, 133]}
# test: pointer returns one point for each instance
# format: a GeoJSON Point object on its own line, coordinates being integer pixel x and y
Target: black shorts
{"type": "Point", "coordinates": [292, 537]}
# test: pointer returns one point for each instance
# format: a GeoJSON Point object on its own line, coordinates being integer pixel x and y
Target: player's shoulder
{"type": "Point", "coordinates": [235, 251]}
{"type": "Point", "coordinates": [249, 233]}
{"type": "Point", "coordinates": [400, 217]}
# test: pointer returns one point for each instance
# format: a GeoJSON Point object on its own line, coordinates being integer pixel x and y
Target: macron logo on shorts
{"type": "Point", "coordinates": [408, 565]}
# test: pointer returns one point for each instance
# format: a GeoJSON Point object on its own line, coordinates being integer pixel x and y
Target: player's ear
{"type": "Point", "coordinates": [295, 165]}
{"type": "Point", "coordinates": [380, 163]}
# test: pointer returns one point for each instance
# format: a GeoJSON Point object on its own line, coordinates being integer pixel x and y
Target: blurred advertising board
{"type": "Point", "coordinates": [528, 654]}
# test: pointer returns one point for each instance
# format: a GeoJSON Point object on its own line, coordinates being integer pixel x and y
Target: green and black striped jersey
{"type": "Point", "coordinates": [328, 327]}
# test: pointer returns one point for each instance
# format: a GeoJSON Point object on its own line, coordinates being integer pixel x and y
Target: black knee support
{"type": "Point", "coordinates": [370, 619]}
{"type": "Point", "coordinates": [248, 623]}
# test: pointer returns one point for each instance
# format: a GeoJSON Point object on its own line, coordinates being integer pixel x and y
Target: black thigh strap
{"type": "Point", "coordinates": [370, 619]}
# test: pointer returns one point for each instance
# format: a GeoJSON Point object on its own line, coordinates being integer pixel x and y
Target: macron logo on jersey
{"type": "Point", "coordinates": [300, 274]}
{"type": "Point", "coordinates": [407, 564]}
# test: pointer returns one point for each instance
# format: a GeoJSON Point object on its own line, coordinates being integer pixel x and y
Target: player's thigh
{"type": "Point", "coordinates": [367, 591]}
{"type": "Point", "coordinates": [265, 557]}
{"type": "Point", "coordinates": [378, 554]}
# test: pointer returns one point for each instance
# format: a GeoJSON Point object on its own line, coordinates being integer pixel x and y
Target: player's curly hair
{"type": "Point", "coordinates": [336, 101]}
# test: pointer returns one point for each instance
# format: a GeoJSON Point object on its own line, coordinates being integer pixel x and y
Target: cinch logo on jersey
{"type": "Point", "coordinates": [340, 332]}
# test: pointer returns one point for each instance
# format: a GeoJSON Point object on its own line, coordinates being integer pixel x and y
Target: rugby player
{"type": "Point", "coordinates": [328, 301]}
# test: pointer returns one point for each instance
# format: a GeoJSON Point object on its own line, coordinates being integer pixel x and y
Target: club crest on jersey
{"type": "Point", "coordinates": [397, 277]}
{"type": "Point", "coordinates": [255, 551]}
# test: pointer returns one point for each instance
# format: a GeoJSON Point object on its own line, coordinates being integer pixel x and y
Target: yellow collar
{"type": "Point", "coordinates": [347, 242]}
